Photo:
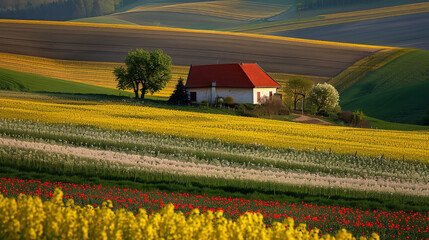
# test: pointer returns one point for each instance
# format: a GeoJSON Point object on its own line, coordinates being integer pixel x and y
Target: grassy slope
{"type": "Point", "coordinates": [380, 124]}
{"type": "Point", "coordinates": [18, 81]}
{"type": "Point", "coordinates": [104, 19]}
{"type": "Point", "coordinates": [365, 66]}
{"type": "Point", "coordinates": [396, 92]}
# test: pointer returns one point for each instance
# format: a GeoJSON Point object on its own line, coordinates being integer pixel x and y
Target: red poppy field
{"type": "Point", "coordinates": [388, 224]}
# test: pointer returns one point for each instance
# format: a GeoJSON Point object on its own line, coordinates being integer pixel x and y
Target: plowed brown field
{"type": "Point", "coordinates": [108, 43]}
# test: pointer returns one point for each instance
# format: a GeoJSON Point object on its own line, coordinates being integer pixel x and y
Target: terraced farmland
{"type": "Point", "coordinates": [98, 42]}
{"type": "Point", "coordinates": [230, 9]}
{"type": "Point", "coordinates": [410, 31]}
{"type": "Point", "coordinates": [194, 14]}
{"type": "Point", "coordinates": [331, 19]}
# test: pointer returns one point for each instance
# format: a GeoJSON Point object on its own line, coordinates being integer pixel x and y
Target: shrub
{"type": "Point", "coordinates": [347, 116]}
{"type": "Point", "coordinates": [269, 107]}
{"type": "Point", "coordinates": [250, 106]}
{"type": "Point", "coordinates": [219, 102]}
{"type": "Point", "coordinates": [358, 120]}
{"type": "Point", "coordinates": [204, 103]}
{"type": "Point", "coordinates": [229, 101]}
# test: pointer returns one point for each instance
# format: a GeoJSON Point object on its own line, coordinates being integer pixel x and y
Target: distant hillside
{"type": "Point", "coordinates": [376, 23]}
{"type": "Point", "coordinates": [397, 92]}
{"type": "Point", "coordinates": [20, 4]}
{"type": "Point", "coordinates": [195, 14]}
{"type": "Point", "coordinates": [58, 9]}
{"type": "Point", "coordinates": [410, 31]}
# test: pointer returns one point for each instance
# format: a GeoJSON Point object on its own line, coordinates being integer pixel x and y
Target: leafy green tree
{"type": "Point", "coordinates": [324, 96]}
{"type": "Point", "coordinates": [180, 94]}
{"type": "Point", "coordinates": [297, 88]}
{"type": "Point", "coordinates": [147, 72]}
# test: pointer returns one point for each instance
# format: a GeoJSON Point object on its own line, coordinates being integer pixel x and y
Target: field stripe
{"type": "Point", "coordinates": [229, 9]}
{"type": "Point", "coordinates": [331, 19]}
{"type": "Point", "coordinates": [217, 171]}
{"type": "Point", "coordinates": [154, 28]}
{"type": "Point", "coordinates": [236, 129]}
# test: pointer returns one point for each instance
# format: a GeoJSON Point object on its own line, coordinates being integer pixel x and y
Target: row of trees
{"type": "Point", "coordinates": [19, 4]}
{"type": "Point", "coordinates": [60, 9]}
{"type": "Point", "coordinates": [322, 96]}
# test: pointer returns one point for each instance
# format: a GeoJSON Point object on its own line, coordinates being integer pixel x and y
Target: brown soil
{"type": "Point", "coordinates": [306, 119]}
{"type": "Point", "coordinates": [111, 44]}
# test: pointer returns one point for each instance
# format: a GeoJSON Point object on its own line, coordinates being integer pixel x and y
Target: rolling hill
{"type": "Point", "coordinates": [19, 81]}
{"type": "Point", "coordinates": [110, 43]}
{"type": "Point", "coordinates": [399, 26]}
{"type": "Point", "coordinates": [411, 31]}
{"type": "Point", "coordinates": [194, 14]}
{"type": "Point", "coordinates": [99, 73]}
{"type": "Point", "coordinates": [396, 92]}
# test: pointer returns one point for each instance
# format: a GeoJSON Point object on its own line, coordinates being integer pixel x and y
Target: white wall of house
{"type": "Point", "coordinates": [240, 95]}
{"type": "Point", "coordinates": [263, 92]}
{"type": "Point", "coordinates": [202, 94]}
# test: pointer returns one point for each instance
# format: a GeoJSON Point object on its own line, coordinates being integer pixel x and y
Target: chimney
{"type": "Point", "coordinates": [213, 100]}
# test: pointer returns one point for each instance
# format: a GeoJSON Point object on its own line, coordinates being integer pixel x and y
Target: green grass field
{"type": "Point", "coordinates": [380, 124]}
{"type": "Point", "coordinates": [18, 81]}
{"type": "Point", "coordinates": [397, 92]}
{"type": "Point", "coordinates": [104, 19]}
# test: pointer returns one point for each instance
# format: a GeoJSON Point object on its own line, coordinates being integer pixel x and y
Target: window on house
{"type": "Point", "coordinates": [193, 96]}
{"type": "Point", "coordinates": [271, 95]}
{"type": "Point", "coordinates": [258, 96]}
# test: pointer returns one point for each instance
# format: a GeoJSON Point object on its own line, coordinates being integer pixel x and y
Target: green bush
{"type": "Point", "coordinates": [229, 101]}
{"type": "Point", "coordinates": [347, 116]}
{"type": "Point", "coordinates": [204, 103]}
{"type": "Point", "coordinates": [359, 120]}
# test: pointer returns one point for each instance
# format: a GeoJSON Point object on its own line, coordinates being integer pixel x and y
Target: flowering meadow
{"type": "Point", "coordinates": [235, 129]}
{"type": "Point", "coordinates": [78, 149]}
{"type": "Point", "coordinates": [328, 219]}
{"type": "Point", "coordinates": [145, 157]}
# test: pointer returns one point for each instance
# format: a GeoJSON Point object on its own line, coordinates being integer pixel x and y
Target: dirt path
{"type": "Point", "coordinates": [306, 119]}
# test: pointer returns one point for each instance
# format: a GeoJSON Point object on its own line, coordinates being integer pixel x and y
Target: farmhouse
{"type": "Point", "coordinates": [245, 82]}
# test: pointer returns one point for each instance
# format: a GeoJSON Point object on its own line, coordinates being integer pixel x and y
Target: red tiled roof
{"type": "Point", "coordinates": [245, 75]}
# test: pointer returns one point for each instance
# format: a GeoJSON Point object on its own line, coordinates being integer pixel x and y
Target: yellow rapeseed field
{"type": "Point", "coordinates": [230, 9]}
{"type": "Point", "coordinates": [93, 73]}
{"type": "Point", "coordinates": [27, 217]}
{"type": "Point", "coordinates": [336, 18]}
{"type": "Point", "coordinates": [101, 73]}
{"type": "Point", "coordinates": [236, 129]}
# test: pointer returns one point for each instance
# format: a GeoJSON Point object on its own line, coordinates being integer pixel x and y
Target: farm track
{"type": "Point", "coordinates": [100, 42]}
